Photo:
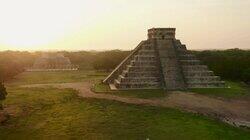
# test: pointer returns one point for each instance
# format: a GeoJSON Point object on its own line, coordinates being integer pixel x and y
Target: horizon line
{"type": "Point", "coordinates": [91, 50]}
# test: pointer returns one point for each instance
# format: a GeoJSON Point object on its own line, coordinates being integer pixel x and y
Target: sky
{"type": "Point", "coordinates": [121, 24]}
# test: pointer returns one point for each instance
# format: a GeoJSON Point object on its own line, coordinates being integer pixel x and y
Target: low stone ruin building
{"type": "Point", "coordinates": [52, 62]}
{"type": "Point", "coordinates": [162, 61]}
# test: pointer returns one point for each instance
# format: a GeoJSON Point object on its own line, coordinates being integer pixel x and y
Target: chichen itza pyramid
{"type": "Point", "coordinates": [162, 61]}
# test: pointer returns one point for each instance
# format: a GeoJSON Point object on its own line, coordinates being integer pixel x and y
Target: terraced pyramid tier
{"type": "Point", "coordinates": [162, 61]}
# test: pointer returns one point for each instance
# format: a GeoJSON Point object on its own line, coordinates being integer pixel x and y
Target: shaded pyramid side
{"type": "Point", "coordinates": [196, 74]}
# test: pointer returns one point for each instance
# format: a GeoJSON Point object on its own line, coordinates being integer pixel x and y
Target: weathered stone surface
{"type": "Point", "coordinates": [162, 61]}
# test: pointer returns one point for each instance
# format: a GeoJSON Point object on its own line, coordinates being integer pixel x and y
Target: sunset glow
{"type": "Point", "coordinates": [112, 24]}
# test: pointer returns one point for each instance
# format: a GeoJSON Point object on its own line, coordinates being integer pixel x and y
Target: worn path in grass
{"type": "Point", "coordinates": [233, 111]}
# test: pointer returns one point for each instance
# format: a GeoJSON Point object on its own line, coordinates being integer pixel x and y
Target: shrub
{"type": "Point", "coordinates": [246, 76]}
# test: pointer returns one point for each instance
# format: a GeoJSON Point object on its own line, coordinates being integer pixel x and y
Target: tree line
{"type": "Point", "coordinates": [232, 64]}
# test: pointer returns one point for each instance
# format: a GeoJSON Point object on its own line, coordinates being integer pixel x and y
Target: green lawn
{"type": "Point", "coordinates": [38, 113]}
{"type": "Point", "coordinates": [61, 114]}
{"type": "Point", "coordinates": [236, 89]}
{"type": "Point", "coordinates": [145, 94]}
{"type": "Point", "coordinates": [56, 77]}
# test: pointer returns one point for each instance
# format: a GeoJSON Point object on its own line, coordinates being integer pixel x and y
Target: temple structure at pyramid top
{"type": "Point", "coordinates": [162, 61]}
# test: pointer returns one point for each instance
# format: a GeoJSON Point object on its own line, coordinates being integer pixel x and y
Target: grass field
{"type": "Point", "coordinates": [56, 77]}
{"type": "Point", "coordinates": [38, 113]}
{"type": "Point", "coordinates": [53, 113]}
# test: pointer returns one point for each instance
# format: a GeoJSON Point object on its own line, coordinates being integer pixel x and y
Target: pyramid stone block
{"type": "Point", "coordinates": [162, 61]}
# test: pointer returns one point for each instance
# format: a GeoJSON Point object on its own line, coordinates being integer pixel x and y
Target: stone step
{"type": "Point", "coordinates": [116, 82]}
{"type": "Point", "coordinates": [171, 63]}
{"type": "Point", "coordinates": [198, 73]}
{"type": "Point", "coordinates": [194, 67]}
{"type": "Point", "coordinates": [146, 52]}
{"type": "Point", "coordinates": [148, 46]}
{"type": "Point", "coordinates": [125, 86]}
{"type": "Point", "coordinates": [190, 62]}
{"type": "Point", "coordinates": [143, 63]}
{"type": "Point", "coordinates": [144, 57]}
{"type": "Point", "coordinates": [218, 84]}
{"type": "Point", "coordinates": [187, 57]}
{"type": "Point", "coordinates": [126, 73]}
{"type": "Point", "coordinates": [120, 77]}
{"type": "Point", "coordinates": [131, 68]}
{"type": "Point", "coordinates": [134, 60]}
{"type": "Point", "coordinates": [138, 79]}
{"type": "Point", "coordinates": [112, 87]}
{"type": "Point", "coordinates": [203, 79]}
{"type": "Point", "coordinates": [169, 53]}
{"type": "Point", "coordinates": [140, 66]}
{"type": "Point", "coordinates": [206, 82]}
{"type": "Point", "coordinates": [147, 43]}
{"type": "Point", "coordinates": [183, 51]}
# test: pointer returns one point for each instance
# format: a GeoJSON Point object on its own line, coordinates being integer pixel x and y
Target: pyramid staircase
{"type": "Point", "coordinates": [139, 70]}
{"type": "Point", "coordinates": [162, 63]}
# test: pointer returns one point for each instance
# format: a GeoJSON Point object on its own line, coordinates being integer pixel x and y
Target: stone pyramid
{"type": "Point", "coordinates": [162, 61]}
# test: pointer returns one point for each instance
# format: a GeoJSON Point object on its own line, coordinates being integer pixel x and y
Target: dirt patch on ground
{"type": "Point", "coordinates": [235, 111]}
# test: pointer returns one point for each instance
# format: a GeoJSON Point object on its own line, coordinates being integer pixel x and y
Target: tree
{"type": "Point", "coordinates": [246, 76]}
{"type": "Point", "coordinates": [108, 60]}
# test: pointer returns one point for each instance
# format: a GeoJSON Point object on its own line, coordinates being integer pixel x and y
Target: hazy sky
{"type": "Point", "coordinates": [121, 24]}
